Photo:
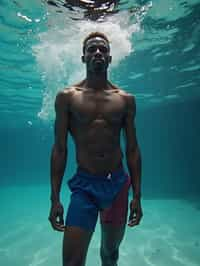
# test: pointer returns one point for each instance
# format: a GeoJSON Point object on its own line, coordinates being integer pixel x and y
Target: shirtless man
{"type": "Point", "coordinates": [94, 112]}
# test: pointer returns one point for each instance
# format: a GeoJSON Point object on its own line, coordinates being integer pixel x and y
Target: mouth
{"type": "Point", "coordinates": [98, 60]}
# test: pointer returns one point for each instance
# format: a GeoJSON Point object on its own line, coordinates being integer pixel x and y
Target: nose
{"type": "Point", "coordinates": [98, 53]}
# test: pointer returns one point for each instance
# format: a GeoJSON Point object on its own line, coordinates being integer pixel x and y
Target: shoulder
{"type": "Point", "coordinates": [65, 94]}
{"type": "Point", "coordinates": [130, 104]}
{"type": "Point", "coordinates": [130, 100]}
{"type": "Point", "coordinates": [63, 97]}
{"type": "Point", "coordinates": [128, 97]}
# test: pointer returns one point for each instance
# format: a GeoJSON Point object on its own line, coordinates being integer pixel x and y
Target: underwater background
{"type": "Point", "coordinates": [156, 56]}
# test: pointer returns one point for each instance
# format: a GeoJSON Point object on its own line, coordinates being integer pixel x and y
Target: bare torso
{"type": "Point", "coordinates": [95, 122]}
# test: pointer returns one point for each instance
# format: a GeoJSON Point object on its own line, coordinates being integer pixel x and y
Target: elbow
{"type": "Point", "coordinates": [59, 149]}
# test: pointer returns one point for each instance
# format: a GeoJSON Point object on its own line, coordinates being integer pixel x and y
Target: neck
{"type": "Point", "coordinates": [96, 81]}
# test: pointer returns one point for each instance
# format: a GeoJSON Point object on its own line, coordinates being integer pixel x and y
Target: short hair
{"type": "Point", "coordinates": [93, 35]}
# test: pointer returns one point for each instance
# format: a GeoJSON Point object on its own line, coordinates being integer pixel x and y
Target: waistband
{"type": "Point", "coordinates": [84, 173]}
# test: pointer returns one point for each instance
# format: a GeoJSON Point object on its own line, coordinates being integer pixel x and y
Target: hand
{"type": "Point", "coordinates": [135, 212]}
{"type": "Point", "coordinates": [57, 212]}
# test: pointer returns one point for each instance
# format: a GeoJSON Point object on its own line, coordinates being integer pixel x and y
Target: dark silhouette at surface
{"type": "Point", "coordinates": [93, 10]}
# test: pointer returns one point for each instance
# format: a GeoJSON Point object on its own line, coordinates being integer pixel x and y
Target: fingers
{"type": "Point", "coordinates": [57, 225]}
{"type": "Point", "coordinates": [134, 219]}
{"type": "Point", "coordinates": [133, 222]}
{"type": "Point", "coordinates": [56, 217]}
{"type": "Point", "coordinates": [61, 220]}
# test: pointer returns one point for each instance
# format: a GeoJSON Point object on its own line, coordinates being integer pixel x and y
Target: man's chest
{"type": "Point", "coordinates": [109, 106]}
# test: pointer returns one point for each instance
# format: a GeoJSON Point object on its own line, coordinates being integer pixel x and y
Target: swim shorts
{"type": "Point", "coordinates": [91, 194]}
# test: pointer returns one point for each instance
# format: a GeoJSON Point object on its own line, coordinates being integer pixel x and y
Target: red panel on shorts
{"type": "Point", "coordinates": [116, 214]}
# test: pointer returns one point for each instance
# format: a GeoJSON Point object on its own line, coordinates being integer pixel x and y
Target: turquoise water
{"type": "Point", "coordinates": [155, 48]}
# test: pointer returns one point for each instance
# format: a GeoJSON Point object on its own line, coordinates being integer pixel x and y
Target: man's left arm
{"type": "Point", "coordinates": [134, 162]}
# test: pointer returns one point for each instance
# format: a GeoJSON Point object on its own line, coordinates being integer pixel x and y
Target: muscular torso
{"type": "Point", "coordinates": [95, 121]}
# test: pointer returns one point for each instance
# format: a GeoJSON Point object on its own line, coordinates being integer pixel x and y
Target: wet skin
{"type": "Point", "coordinates": [94, 112]}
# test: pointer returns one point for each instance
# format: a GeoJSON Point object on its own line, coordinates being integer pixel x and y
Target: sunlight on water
{"type": "Point", "coordinates": [60, 48]}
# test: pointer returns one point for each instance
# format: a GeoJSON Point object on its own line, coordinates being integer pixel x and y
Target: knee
{"type": "Point", "coordinates": [109, 255]}
{"type": "Point", "coordinates": [114, 255]}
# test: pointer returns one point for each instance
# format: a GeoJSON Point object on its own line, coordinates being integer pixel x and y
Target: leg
{"type": "Point", "coordinates": [80, 224]}
{"type": "Point", "coordinates": [111, 238]}
{"type": "Point", "coordinates": [113, 224]}
{"type": "Point", "coordinates": [75, 246]}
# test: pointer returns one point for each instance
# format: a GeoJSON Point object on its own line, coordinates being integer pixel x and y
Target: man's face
{"type": "Point", "coordinates": [97, 54]}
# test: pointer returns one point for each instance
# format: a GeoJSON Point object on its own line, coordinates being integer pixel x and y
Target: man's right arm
{"type": "Point", "coordinates": [59, 149]}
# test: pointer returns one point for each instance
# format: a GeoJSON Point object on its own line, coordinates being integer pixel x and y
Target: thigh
{"type": "Point", "coordinates": [111, 236]}
{"type": "Point", "coordinates": [82, 211]}
{"type": "Point", "coordinates": [113, 220]}
{"type": "Point", "coordinates": [116, 214]}
{"type": "Point", "coordinates": [80, 224]}
{"type": "Point", "coordinates": [75, 245]}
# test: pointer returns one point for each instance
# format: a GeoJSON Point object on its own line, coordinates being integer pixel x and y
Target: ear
{"type": "Point", "coordinates": [110, 59]}
{"type": "Point", "coordinates": [83, 58]}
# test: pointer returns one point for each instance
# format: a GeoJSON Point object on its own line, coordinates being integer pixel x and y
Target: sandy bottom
{"type": "Point", "coordinates": [169, 234]}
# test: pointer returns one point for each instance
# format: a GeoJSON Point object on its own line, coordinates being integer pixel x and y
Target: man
{"type": "Point", "coordinates": [94, 112]}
